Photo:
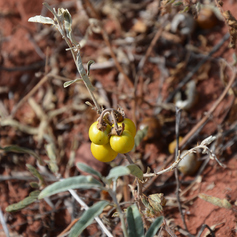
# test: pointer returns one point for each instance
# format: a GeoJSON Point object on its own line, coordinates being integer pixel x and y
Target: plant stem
{"type": "Point", "coordinates": [121, 214]}
{"type": "Point", "coordinates": [129, 158]}
{"type": "Point", "coordinates": [78, 61]}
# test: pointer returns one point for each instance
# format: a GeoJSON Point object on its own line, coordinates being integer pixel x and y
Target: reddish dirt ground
{"type": "Point", "coordinates": [25, 49]}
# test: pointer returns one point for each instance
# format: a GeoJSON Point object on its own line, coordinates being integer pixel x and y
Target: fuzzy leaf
{"type": "Point", "coordinates": [15, 148]}
{"type": "Point", "coordinates": [24, 203]}
{"type": "Point", "coordinates": [84, 182]}
{"type": "Point", "coordinates": [136, 171]}
{"type": "Point", "coordinates": [88, 169]}
{"type": "Point", "coordinates": [135, 224]}
{"type": "Point", "coordinates": [87, 218]}
{"type": "Point", "coordinates": [117, 172]}
{"type": "Point", "coordinates": [154, 227]}
{"type": "Point", "coordinates": [41, 19]}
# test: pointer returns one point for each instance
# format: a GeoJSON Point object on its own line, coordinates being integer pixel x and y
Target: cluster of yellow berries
{"type": "Point", "coordinates": [106, 146]}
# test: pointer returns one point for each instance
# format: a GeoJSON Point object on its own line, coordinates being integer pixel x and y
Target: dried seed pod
{"type": "Point", "coordinates": [154, 128]}
{"type": "Point", "coordinates": [189, 165]}
{"type": "Point", "coordinates": [206, 18]}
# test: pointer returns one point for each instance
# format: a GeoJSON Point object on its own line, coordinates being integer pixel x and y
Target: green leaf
{"type": "Point", "coordinates": [139, 137]}
{"type": "Point", "coordinates": [33, 196]}
{"type": "Point", "coordinates": [87, 218]}
{"type": "Point", "coordinates": [15, 148]}
{"type": "Point", "coordinates": [88, 169]}
{"type": "Point", "coordinates": [81, 181]}
{"type": "Point", "coordinates": [154, 227]}
{"type": "Point", "coordinates": [117, 172]}
{"type": "Point", "coordinates": [136, 171]}
{"type": "Point", "coordinates": [135, 224]}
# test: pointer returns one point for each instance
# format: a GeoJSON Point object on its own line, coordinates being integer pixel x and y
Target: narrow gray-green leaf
{"type": "Point", "coordinates": [68, 83]}
{"type": "Point", "coordinates": [135, 224]}
{"type": "Point", "coordinates": [82, 72]}
{"type": "Point", "coordinates": [36, 173]}
{"type": "Point", "coordinates": [84, 182]}
{"type": "Point", "coordinates": [88, 169]}
{"type": "Point", "coordinates": [154, 227]}
{"type": "Point", "coordinates": [139, 137]}
{"type": "Point", "coordinates": [24, 203]}
{"type": "Point", "coordinates": [87, 218]}
{"type": "Point", "coordinates": [117, 172]}
{"type": "Point", "coordinates": [136, 171]}
{"type": "Point", "coordinates": [67, 23]}
{"type": "Point", "coordinates": [15, 148]}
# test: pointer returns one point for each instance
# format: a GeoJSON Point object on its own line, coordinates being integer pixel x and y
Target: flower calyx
{"type": "Point", "coordinates": [117, 131]}
{"type": "Point", "coordinates": [119, 115]}
{"type": "Point", "coordinates": [102, 125]}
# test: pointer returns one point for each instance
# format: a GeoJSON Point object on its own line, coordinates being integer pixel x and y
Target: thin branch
{"type": "Point", "coordinates": [199, 124]}
{"type": "Point", "coordinates": [128, 157]}
{"type": "Point", "coordinates": [178, 114]}
{"type": "Point", "coordinates": [206, 150]}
